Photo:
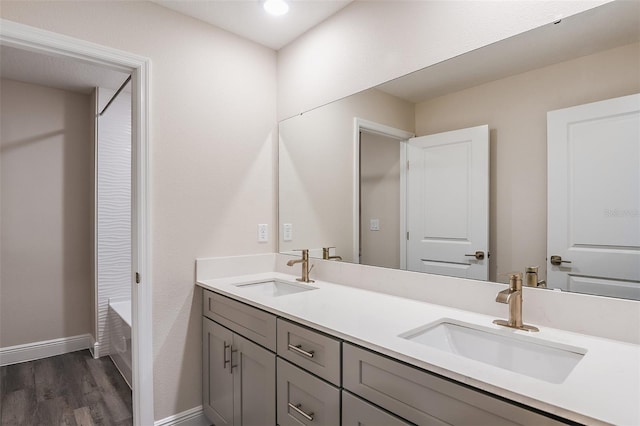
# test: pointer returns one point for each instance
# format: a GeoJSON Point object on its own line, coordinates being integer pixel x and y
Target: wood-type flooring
{"type": "Point", "coordinates": [71, 389]}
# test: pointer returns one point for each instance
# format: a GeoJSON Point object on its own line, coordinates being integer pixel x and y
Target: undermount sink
{"type": "Point", "coordinates": [526, 355]}
{"type": "Point", "coordinates": [275, 288]}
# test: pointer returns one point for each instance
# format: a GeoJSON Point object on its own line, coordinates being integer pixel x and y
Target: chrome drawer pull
{"type": "Point", "coordinates": [302, 413]}
{"type": "Point", "coordinates": [298, 348]}
{"type": "Point", "coordinates": [233, 351]}
{"type": "Point", "coordinates": [224, 356]}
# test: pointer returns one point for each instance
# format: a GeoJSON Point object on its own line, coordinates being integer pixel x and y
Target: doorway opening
{"type": "Point", "coordinates": [29, 39]}
{"type": "Point", "coordinates": [376, 181]}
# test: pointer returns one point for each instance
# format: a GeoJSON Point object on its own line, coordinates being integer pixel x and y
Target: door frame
{"type": "Point", "coordinates": [33, 39]}
{"type": "Point", "coordinates": [360, 124]}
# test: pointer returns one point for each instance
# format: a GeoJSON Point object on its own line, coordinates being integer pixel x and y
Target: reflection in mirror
{"type": "Point", "coordinates": [511, 86]}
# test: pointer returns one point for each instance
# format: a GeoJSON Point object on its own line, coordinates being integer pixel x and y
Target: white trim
{"type": "Point", "coordinates": [404, 145]}
{"type": "Point", "coordinates": [360, 124]}
{"type": "Point", "coordinates": [34, 39]}
{"type": "Point", "coordinates": [44, 349]}
{"type": "Point", "coordinates": [192, 417]}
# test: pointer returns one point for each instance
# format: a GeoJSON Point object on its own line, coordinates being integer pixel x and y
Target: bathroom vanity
{"type": "Point", "coordinates": [287, 353]}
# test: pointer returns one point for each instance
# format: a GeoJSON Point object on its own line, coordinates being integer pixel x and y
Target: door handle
{"type": "Point", "coordinates": [557, 260]}
{"type": "Point", "coordinates": [224, 356]}
{"type": "Point", "coordinates": [231, 359]}
{"type": "Point", "coordinates": [479, 255]}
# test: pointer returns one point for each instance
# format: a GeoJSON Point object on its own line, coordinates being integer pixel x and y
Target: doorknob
{"type": "Point", "coordinates": [479, 255]}
{"type": "Point", "coordinates": [557, 260]}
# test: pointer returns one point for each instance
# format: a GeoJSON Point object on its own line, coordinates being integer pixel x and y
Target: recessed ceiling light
{"type": "Point", "coordinates": [276, 7]}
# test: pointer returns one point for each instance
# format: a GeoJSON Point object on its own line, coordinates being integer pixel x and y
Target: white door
{"type": "Point", "coordinates": [594, 198]}
{"type": "Point", "coordinates": [448, 203]}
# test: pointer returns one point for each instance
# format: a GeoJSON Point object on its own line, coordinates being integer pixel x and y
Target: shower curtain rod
{"type": "Point", "coordinates": [113, 98]}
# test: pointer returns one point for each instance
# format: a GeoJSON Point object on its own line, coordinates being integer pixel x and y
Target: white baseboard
{"type": "Point", "coordinates": [192, 417]}
{"type": "Point", "coordinates": [38, 350]}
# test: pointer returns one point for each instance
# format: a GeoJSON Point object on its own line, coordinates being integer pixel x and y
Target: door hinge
{"type": "Point", "coordinates": [137, 278]}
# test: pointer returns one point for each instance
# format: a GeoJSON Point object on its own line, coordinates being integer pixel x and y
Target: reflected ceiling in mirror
{"type": "Point", "coordinates": [509, 86]}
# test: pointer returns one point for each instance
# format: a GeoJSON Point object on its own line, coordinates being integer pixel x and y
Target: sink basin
{"type": "Point", "coordinates": [526, 355]}
{"type": "Point", "coordinates": [275, 288]}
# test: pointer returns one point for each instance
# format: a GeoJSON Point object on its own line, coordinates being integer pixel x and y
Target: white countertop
{"type": "Point", "coordinates": [603, 387]}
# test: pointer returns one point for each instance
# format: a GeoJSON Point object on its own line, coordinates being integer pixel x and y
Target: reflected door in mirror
{"type": "Point", "coordinates": [594, 198]}
{"type": "Point", "coordinates": [448, 203]}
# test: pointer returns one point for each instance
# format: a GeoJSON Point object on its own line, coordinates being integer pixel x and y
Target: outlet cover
{"type": "Point", "coordinates": [263, 233]}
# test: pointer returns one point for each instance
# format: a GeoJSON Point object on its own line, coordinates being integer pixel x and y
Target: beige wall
{"type": "Point", "coordinates": [515, 109]}
{"type": "Point", "coordinates": [380, 199]}
{"type": "Point", "coordinates": [370, 42]}
{"type": "Point", "coordinates": [213, 114]}
{"type": "Point", "coordinates": [45, 249]}
{"type": "Point", "coordinates": [316, 168]}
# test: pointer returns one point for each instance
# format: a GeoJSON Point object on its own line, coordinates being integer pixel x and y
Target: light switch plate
{"type": "Point", "coordinates": [374, 225]}
{"type": "Point", "coordinates": [263, 233]}
{"type": "Point", "coordinates": [287, 232]}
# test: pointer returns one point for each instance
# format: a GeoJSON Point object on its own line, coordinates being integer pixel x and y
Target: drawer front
{"type": "Point", "coordinates": [305, 399]}
{"type": "Point", "coordinates": [356, 412]}
{"type": "Point", "coordinates": [245, 320]}
{"type": "Point", "coordinates": [426, 399]}
{"type": "Point", "coordinates": [313, 351]}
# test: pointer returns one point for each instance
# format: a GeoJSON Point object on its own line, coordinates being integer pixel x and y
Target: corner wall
{"type": "Point", "coordinates": [45, 246]}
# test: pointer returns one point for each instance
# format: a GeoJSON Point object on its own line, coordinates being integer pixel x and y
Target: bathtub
{"type": "Point", "coordinates": [120, 337]}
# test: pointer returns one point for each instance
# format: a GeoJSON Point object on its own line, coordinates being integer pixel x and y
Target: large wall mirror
{"type": "Point", "coordinates": [347, 176]}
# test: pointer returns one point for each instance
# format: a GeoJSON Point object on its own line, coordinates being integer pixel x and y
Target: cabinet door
{"type": "Point", "coordinates": [217, 380]}
{"type": "Point", "coordinates": [254, 372]}
{"type": "Point", "coordinates": [356, 412]}
{"type": "Point", "coordinates": [304, 399]}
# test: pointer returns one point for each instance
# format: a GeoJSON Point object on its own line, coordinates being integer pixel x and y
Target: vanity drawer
{"type": "Point", "coordinates": [424, 398]}
{"type": "Point", "coordinates": [245, 320]}
{"type": "Point", "coordinates": [313, 351]}
{"type": "Point", "coordinates": [356, 412]}
{"type": "Point", "coordinates": [305, 399]}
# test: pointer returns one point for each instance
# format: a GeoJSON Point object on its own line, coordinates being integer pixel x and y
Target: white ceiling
{"type": "Point", "coordinates": [248, 19]}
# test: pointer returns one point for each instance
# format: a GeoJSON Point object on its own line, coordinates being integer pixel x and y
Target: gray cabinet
{"type": "Point", "coordinates": [305, 399]}
{"type": "Point", "coordinates": [217, 380]}
{"type": "Point", "coordinates": [316, 379]}
{"type": "Point", "coordinates": [356, 412]}
{"type": "Point", "coordinates": [239, 379]}
{"type": "Point", "coordinates": [424, 398]}
{"type": "Point", "coordinates": [239, 375]}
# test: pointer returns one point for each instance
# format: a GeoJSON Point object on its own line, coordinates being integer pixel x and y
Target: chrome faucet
{"type": "Point", "coordinates": [304, 261]}
{"type": "Point", "coordinates": [326, 254]}
{"type": "Point", "coordinates": [513, 297]}
{"type": "Point", "coordinates": [531, 278]}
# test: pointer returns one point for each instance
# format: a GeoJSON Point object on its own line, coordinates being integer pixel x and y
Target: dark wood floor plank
{"type": "Point", "coordinates": [18, 376]}
{"type": "Point", "coordinates": [83, 416]}
{"type": "Point", "coordinates": [117, 408]}
{"type": "Point", "coordinates": [71, 389]}
{"type": "Point", "coordinates": [17, 408]}
{"type": "Point", "coordinates": [55, 411]}
{"type": "Point", "coordinates": [83, 389]}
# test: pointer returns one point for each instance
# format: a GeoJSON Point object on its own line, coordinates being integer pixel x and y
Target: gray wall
{"type": "Point", "coordinates": [46, 250]}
